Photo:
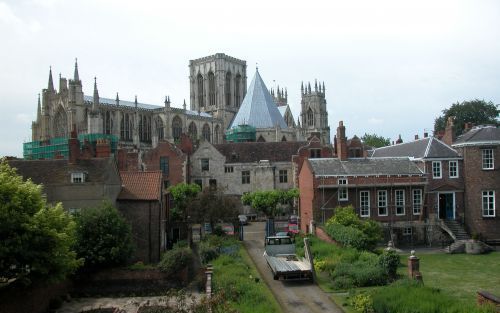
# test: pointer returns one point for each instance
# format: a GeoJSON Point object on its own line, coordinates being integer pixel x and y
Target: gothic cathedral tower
{"type": "Point", "coordinates": [313, 115]}
{"type": "Point", "coordinates": [217, 86]}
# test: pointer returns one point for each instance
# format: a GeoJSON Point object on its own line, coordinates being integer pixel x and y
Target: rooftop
{"type": "Point", "coordinates": [364, 167]}
{"type": "Point", "coordinates": [141, 185]}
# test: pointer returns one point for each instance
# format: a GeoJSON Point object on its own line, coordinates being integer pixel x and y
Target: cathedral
{"type": "Point", "coordinates": [219, 104]}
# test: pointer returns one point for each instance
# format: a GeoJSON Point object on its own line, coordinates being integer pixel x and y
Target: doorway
{"type": "Point", "coordinates": [447, 206]}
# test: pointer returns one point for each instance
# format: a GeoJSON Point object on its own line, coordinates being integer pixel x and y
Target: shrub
{"type": "Point", "coordinates": [343, 282]}
{"type": "Point", "coordinates": [363, 272]}
{"type": "Point", "coordinates": [207, 252]}
{"type": "Point", "coordinates": [175, 260]}
{"type": "Point", "coordinates": [362, 303]}
{"type": "Point", "coordinates": [348, 236]}
{"type": "Point", "coordinates": [389, 260]}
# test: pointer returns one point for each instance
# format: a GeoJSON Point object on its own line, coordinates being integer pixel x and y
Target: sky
{"type": "Point", "coordinates": [390, 66]}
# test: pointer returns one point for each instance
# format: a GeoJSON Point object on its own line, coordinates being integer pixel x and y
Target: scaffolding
{"type": "Point", "coordinates": [241, 133]}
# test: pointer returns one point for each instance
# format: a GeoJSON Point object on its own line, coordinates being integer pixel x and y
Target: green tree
{"type": "Point", "coordinates": [104, 237]}
{"type": "Point", "coordinates": [269, 202]}
{"type": "Point", "coordinates": [183, 195]}
{"type": "Point", "coordinates": [211, 206]}
{"type": "Point", "coordinates": [36, 239]}
{"type": "Point", "coordinates": [475, 111]}
{"type": "Point", "coordinates": [375, 141]}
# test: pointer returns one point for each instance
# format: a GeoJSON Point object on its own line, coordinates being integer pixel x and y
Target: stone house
{"type": "Point", "coordinates": [480, 149]}
{"type": "Point", "coordinates": [141, 201]}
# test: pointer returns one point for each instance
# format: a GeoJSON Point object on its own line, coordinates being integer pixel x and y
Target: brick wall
{"type": "Point", "coordinates": [306, 188]}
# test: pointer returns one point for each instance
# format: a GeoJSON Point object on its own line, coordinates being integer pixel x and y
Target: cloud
{"type": "Point", "coordinates": [375, 121]}
{"type": "Point", "coordinates": [9, 18]}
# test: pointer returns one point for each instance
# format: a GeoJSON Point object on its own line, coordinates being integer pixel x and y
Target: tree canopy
{"type": "Point", "coordinates": [211, 205]}
{"type": "Point", "coordinates": [37, 239]}
{"type": "Point", "coordinates": [183, 195]}
{"type": "Point", "coordinates": [475, 111]}
{"type": "Point", "coordinates": [104, 237]}
{"type": "Point", "coordinates": [375, 141]}
{"type": "Point", "coordinates": [269, 201]}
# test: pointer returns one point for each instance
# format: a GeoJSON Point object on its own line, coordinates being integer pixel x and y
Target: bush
{"type": "Point", "coordinates": [348, 236]}
{"type": "Point", "coordinates": [343, 282]}
{"type": "Point", "coordinates": [363, 272]}
{"type": "Point", "coordinates": [104, 237]}
{"type": "Point", "coordinates": [389, 260]}
{"type": "Point", "coordinates": [362, 303]}
{"type": "Point", "coordinates": [345, 216]}
{"type": "Point", "coordinates": [175, 260]}
{"type": "Point", "coordinates": [207, 252]}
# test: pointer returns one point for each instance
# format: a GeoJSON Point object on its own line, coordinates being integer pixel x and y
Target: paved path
{"type": "Point", "coordinates": [293, 297]}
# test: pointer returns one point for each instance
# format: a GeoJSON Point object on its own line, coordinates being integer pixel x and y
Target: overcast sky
{"type": "Point", "coordinates": [390, 67]}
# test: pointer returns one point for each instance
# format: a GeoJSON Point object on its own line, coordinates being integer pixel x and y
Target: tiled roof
{"type": "Point", "coordinates": [478, 135]}
{"type": "Point", "coordinates": [364, 167]}
{"type": "Point", "coordinates": [258, 108]}
{"type": "Point", "coordinates": [54, 172]}
{"type": "Point", "coordinates": [247, 152]}
{"type": "Point", "coordinates": [423, 148]}
{"type": "Point", "coordinates": [141, 186]}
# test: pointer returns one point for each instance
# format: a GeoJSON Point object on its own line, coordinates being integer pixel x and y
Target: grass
{"type": "Point", "coordinates": [244, 289]}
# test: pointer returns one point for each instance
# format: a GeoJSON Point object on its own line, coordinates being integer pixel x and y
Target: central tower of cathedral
{"type": "Point", "coordinates": [218, 84]}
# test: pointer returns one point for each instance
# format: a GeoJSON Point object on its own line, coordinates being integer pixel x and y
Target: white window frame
{"type": "Point", "coordinates": [488, 203]}
{"type": "Point", "coordinates": [455, 166]}
{"type": "Point", "coordinates": [283, 176]}
{"type": "Point", "coordinates": [228, 169]}
{"type": "Point", "coordinates": [364, 204]}
{"type": "Point", "coordinates": [488, 159]}
{"type": "Point", "coordinates": [407, 231]}
{"type": "Point", "coordinates": [399, 203]}
{"type": "Point", "coordinates": [382, 202]}
{"type": "Point", "coordinates": [343, 194]}
{"type": "Point", "coordinates": [245, 179]}
{"type": "Point", "coordinates": [77, 178]}
{"type": "Point", "coordinates": [436, 165]}
{"type": "Point", "coordinates": [202, 166]}
{"type": "Point", "coordinates": [417, 201]}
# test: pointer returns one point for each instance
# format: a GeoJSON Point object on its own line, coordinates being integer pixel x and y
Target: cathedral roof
{"type": "Point", "coordinates": [258, 108]}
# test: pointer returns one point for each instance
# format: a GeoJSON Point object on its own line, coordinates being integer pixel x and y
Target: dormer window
{"type": "Point", "coordinates": [77, 178]}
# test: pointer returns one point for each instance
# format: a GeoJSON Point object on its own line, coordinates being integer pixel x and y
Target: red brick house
{"type": "Point", "coordinates": [141, 202]}
{"type": "Point", "coordinates": [480, 149]}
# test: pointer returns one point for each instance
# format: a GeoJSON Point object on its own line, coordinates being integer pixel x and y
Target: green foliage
{"type": "Point", "coordinates": [175, 260]}
{"type": "Point", "coordinates": [362, 303]}
{"type": "Point", "coordinates": [269, 201]}
{"type": "Point", "coordinates": [212, 206]}
{"type": "Point", "coordinates": [363, 272]}
{"type": "Point", "coordinates": [183, 195]}
{"type": "Point", "coordinates": [474, 111]}
{"type": "Point", "coordinates": [409, 296]}
{"type": "Point", "coordinates": [104, 237]}
{"type": "Point", "coordinates": [389, 260]}
{"type": "Point", "coordinates": [36, 240]}
{"type": "Point", "coordinates": [375, 141]}
{"type": "Point", "coordinates": [348, 236]}
{"type": "Point", "coordinates": [345, 216]}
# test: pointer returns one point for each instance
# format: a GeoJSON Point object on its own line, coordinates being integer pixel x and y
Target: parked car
{"type": "Point", "coordinates": [293, 219]}
{"type": "Point", "coordinates": [228, 228]}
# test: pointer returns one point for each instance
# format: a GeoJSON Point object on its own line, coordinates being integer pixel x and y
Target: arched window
{"type": "Point", "coordinates": [60, 124]}
{"type": "Point", "coordinates": [176, 128]}
{"type": "Point", "coordinates": [310, 117]}
{"type": "Point", "coordinates": [201, 91]}
{"type": "Point", "coordinates": [227, 89]}
{"type": "Point", "coordinates": [125, 127]}
{"type": "Point", "coordinates": [193, 132]}
{"type": "Point", "coordinates": [141, 128]}
{"type": "Point", "coordinates": [147, 128]}
{"type": "Point", "coordinates": [261, 139]}
{"type": "Point", "coordinates": [159, 128]}
{"type": "Point", "coordinates": [211, 88]}
{"type": "Point", "coordinates": [206, 132]}
{"type": "Point", "coordinates": [237, 95]}
{"type": "Point", "coordinates": [122, 128]}
{"type": "Point", "coordinates": [108, 123]}
{"type": "Point", "coordinates": [217, 134]}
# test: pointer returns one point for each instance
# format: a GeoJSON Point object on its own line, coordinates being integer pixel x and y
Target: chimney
{"type": "Point", "coordinates": [449, 134]}
{"type": "Point", "coordinates": [416, 137]}
{"type": "Point", "coordinates": [341, 142]}
{"type": "Point", "coordinates": [426, 134]}
{"type": "Point", "coordinates": [103, 148]}
{"type": "Point", "coordinates": [399, 141]}
{"type": "Point", "coordinates": [467, 127]}
{"type": "Point", "coordinates": [74, 147]}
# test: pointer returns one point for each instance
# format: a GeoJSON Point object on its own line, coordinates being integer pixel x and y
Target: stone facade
{"type": "Point", "coordinates": [314, 114]}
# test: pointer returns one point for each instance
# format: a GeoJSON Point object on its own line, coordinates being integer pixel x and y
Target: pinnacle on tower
{"type": "Point", "coordinates": [302, 88]}
{"type": "Point", "coordinates": [323, 87]}
{"type": "Point", "coordinates": [51, 84]}
{"type": "Point", "coordinates": [315, 85]}
{"type": "Point", "coordinates": [117, 99]}
{"type": "Point", "coordinates": [39, 108]}
{"type": "Point", "coordinates": [184, 104]}
{"type": "Point", "coordinates": [286, 93]}
{"type": "Point", "coordinates": [96, 95]}
{"type": "Point", "coordinates": [135, 101]}
{"type": "Point", "coordinates": [76, 77]}
{"type": "Point", "coordinates": [309, 87]}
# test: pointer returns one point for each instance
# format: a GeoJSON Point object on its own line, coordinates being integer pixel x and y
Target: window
{"type": "Point", "coordinates": [382, 202]}
{"type": "Point", "coordinates": [198, 182]}
{"type": "Point", "coordinates": [283, 176]}
{"type": "Point", "coordinates": [436, 169]}
{"type": "Point", "coordinates": [205, 132]}
{"type": "Point", "coordinates": [487, 159]}
{"type": "Point", "coordinates": [164, 165]}
{"type": "Point", "coordinates": [400, 202]}
{"type": "Point", "coordinates": [489, 203]}
{"type": "Point", "coordinates": [228, 169]}
{"type": "Point", "coordinates": [211, 88]}
{"type": "Point", "coordinates": [227, 89]}
{"type": "Point", "coordinates": [453, 169]}
{"type": "Point", "coordinates": [364, 200]}
{"type": "Point", "coordinates": [310, 117]}
{"type": "Point", "coordinates": [237, 96]}
{"type": "Point", "coordinates": [201, 91]}
{"type": "Point", "coordinates": [205, 164]}
{"type": "Point", "coordinates": [193, 132]}
{"type": "Point", "coordinates": [315, 153]}
{"type": "Point", "coordinates": [176, 128]}
{"type": "Point", "coordinates": [245, 177]}
{"type": "Point", "coordinates": [212, 183]}
{"type": "Point", "coordinates": [407, 231]}
{"type": "Point", "coordinates": [417, 201]}
{"type": "Point", "coordinates": [343, 194]}
{"type": "Point", "coordinates": [77, 178]}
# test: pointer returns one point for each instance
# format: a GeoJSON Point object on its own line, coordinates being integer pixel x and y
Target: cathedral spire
{"type": "Point", "coordinates": [323, 87]}
{"type": "Point", "coordinates": [302, 87]}
{"type": "Point", "coordinates": [135, 101]}
{"type": "Point", "coordinates": [76, 77]}
{"type": "Point", "coordinates": [96, 95]}
{"type": "Point", "coordinates": [315, 85]}
{"type": "Point", "coordinates": [39, 108]}
{"type": "Point", "coordinates": [117, 99]}
{"type": "Point", "coordinates": [51, 84]}
{"type": "Point", "coordinates": [184, 105]}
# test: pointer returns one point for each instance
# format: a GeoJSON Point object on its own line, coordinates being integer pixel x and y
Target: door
{"type": "Point", "coordinates": [447, 206]}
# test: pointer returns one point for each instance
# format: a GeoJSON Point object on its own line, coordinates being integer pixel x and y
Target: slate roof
{"type": "Point", "coordinates": [425, 148]}
{"type": "Point", "coordinates": [58, 172]}
{"type": "Point", "coordinates": [140, 185]}
{"type": "Point", "coordinates": [247, 152]}
{"type": "Point", "coordinates": [258, 108]}
{"type": "Point", "coordinates": [364, 167]}
{"type": "Point", "coordinates": [282, 110]}
{"type": "Point", "coordinates": [485, 134]}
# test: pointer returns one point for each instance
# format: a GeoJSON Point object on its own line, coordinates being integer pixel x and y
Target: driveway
{"type": "Point", "coordinates": [293, 296]}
